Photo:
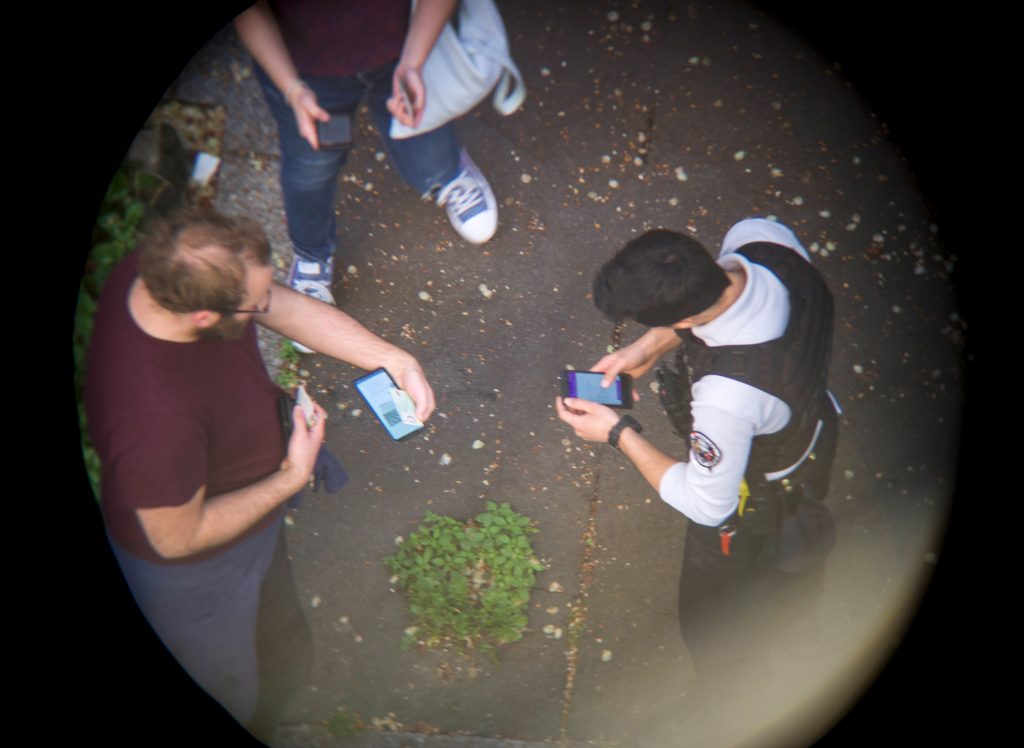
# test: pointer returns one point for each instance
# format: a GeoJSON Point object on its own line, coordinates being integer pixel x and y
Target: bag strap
{"type": "Point", "coordinates": [510, 91]}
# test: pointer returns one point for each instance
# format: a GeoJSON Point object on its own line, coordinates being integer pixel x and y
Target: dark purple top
{"type": "Point", "coordinates": [167, 418]}
{"type": "Point", "coordinates": [329, 38]}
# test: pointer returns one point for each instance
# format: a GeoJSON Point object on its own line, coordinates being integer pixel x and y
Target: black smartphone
{"type": "Point", "coordinates": [586, 385]}
{"type": "Point", "coordinates": [335, 133]}
{"type": "Point", "coordinates": [393, 407]}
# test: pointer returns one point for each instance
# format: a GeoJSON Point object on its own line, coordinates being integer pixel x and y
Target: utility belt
{"type": "Point", "coordinates": [784, 519]}
{"type": "Point", "coordinates": [791, 529]}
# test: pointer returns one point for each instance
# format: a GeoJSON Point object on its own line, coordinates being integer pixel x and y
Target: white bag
{"type": "Point", "coordinates": [464, 67]}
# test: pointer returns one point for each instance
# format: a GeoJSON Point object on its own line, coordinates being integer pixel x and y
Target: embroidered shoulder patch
{"type": "Point", "coordinates": [705, 451]}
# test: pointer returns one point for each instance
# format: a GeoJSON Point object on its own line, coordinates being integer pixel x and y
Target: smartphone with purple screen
{"type": "Point", "coordinates": [586, 385]}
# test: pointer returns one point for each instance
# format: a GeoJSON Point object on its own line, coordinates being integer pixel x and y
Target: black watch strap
{"type": "Point", "coordinates": [624, 422]}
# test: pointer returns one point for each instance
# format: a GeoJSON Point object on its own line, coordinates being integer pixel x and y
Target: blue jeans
{"type": "Point", "coordinates": [309, 178]}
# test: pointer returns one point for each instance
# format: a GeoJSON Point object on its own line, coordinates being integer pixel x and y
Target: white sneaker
{"type": "Point", "coordinates": [470, 203]}
{"type": "Point", "coordinates": [311, 278]}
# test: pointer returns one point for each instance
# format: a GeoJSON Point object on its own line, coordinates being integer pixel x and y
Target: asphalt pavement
{"type": "Point", "coordinates": [639, 115]}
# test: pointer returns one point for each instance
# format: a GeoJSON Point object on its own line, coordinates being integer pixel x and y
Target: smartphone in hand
{"type": "Point", "coordinates": [336, 133]}
{"type": "Point", "coordinates": [586, 385]}
{"type": "Point", "coordinates": [391, 405]}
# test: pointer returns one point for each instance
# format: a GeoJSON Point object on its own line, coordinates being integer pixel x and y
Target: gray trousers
{"type": "Point", "coordinates": [233, 622]}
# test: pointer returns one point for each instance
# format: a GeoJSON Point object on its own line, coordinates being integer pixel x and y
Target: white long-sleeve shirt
{"type": "Point", "coordinates": [726, 413]}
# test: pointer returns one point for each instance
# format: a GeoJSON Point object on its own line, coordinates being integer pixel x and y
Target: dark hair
{"type": "Point", "coordinates": [195, 259]}
{"type": "Point", "coordinates": [658, 279]}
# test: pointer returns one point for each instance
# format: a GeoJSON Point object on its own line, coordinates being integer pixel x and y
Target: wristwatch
{"type": "Point", "coordinates": [624, 422]}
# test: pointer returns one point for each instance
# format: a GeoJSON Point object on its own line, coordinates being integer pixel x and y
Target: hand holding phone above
{"type": "Point", "coordinates": [393, 407]}
{"type": "Point", "coordinates": [587, 385]}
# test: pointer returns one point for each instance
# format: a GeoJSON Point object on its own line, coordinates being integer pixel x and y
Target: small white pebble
{"type": "Point", "coordinates": [848, 474]}
{"type": "Point", "coordinates": [289, 521]}
{"type": "Point", "coordinates": [555, 587]}
{"type": "Point", "coordinates": [315, 602]}
{"type": "Point", "coordinates": [424, 296]}
{"type": "Point", "coordinates": [613, 16]}
{"type": "Point", "coordinates": [352, 270]}
{"type": "Point", "coordinates": [680, 174]}
{"type": "Point", "coordinates": [637, 161]}
{"type": "Point", "coordinates": [878, 239]}
{"type": "Point", "coordinates": [525, 178]}
{"type": "Point", "coordinates": [445, 459]}
{"type": "Point", "coordinates": [606, 159]}
{"type": "Point", "coordinates": [896, 309]}
{"type": "Point", "coordinates": [825, 213]}
{"type": "Point", "coordinates": [776, 171]}
{"type": "Point", "coordinates": [357, 412]}
{"type": "Point", "coordinates": [606, 655]}
{"type": "Point", "coordinates": [380, 155]}
{"type": "Point", "coordinates": [694, 60]}
{"type": "Point", "coordinates": [673, 201]}
{"type": "Point", "coordinates": [545, 72]}
{"type": "Point", "coordinates": [478, 444]}
{"type": "Point", "coordinates": [797, 200]}
{"type": "Point", "coordinates": [487, 293]}
{"type": "Point", "coordinates": [858, 369]}
{"type": "Point", "coordinates": [613, 183]}
{"type": "Point", "coordinates": [399, 540]}
{"type": "Point", "coordinates": [739, 155]}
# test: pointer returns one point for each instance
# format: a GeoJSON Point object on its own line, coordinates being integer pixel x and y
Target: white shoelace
{"type": "Point", "coordinates": [462, 192]}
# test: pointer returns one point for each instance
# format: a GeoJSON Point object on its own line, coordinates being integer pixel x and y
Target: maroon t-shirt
{"type": "Point", "coordinates": [329, 38]}
{"type": "Point", "coordinates": [167, 418]}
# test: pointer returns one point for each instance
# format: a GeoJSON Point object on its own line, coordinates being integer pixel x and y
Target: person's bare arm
{"type": "Point", "coordinates": [428, 18]}
{"type": "Point", "coordinates": [328, 330]}
{"type": "Point", "coordinates": [258, 30]}
{"type": "Point", "coordinates": [593, 422]}
{"type": "Point", "coordinates": [637, 358]}
{"type": "Point", "coordinates": [201, 524]}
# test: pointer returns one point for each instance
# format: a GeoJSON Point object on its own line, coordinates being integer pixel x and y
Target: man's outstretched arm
{"type": "Point", "coordinates": [328, 330]}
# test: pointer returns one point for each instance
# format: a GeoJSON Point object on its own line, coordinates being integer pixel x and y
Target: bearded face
{"type": "Point", "coordinates": [228, 327]}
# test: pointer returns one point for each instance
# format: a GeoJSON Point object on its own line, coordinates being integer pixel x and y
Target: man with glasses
{"type": "Point", "coordinates": [197, 468]}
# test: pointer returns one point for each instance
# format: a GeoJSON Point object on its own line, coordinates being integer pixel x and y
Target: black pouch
{"type": "Point", "coordinates": [285, 404]}
{"type": "Point", "coordinates": [674, 393]}
{"type": "Point", "coordinates": [805, 534]}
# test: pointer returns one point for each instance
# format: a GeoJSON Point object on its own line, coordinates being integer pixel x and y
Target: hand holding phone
{"type": "Point", "coordinates": [408, 97]}
{"type": "Point", "coordinates": [336, 133]}
{"type": "Point", "coordinates": [392, 405]}
{"type": "Point", "coordinates": [586, 385]}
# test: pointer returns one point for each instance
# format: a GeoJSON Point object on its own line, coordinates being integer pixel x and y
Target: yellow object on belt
{"type": "Point", "coordinates": [744, 495]}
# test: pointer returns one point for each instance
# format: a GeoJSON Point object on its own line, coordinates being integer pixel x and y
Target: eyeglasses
{"type": "Point", "coordinates": [257, 310]}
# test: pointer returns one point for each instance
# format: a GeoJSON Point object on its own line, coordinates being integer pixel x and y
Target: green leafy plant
{"type": "Point", "coordinates": [124, 205]}
{"type": "Point", "coordinates": [287, 376]}
{"type": "Point", "coordinates": [467, 583]}
{"type": "Point", "coordinates": [344, 723]}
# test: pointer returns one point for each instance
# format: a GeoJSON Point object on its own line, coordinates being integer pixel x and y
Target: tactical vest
{"type": "Point", "coordinates": [793, 367]}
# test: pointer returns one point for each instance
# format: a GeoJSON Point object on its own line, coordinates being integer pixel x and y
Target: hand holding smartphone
{"type": "Point", "coordinates": [586, 385]}
{"type": "Point", "coordinates": [391, 405]}
{"type": "Point", "coordinates": [336, 133]}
